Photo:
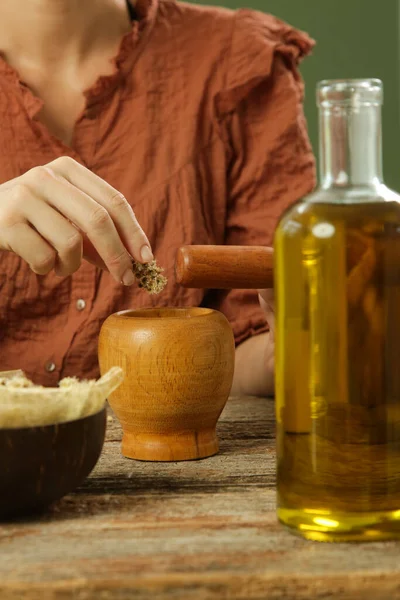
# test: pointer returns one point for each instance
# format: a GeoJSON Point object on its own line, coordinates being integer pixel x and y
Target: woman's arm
{"type": "Point", "coordinates": [254, 363]}
{"type": "Point", "coordinates": [254, 367]}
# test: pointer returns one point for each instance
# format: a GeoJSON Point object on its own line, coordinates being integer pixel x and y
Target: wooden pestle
{"type": "Point", "coordinates": [225, 267]}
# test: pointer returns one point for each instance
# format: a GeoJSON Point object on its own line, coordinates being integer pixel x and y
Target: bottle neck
{"type": "Point", "coordinates": [350, 146]}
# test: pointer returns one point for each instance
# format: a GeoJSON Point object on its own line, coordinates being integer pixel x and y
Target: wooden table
{"type": "Point", "coordinates": [183, 531]}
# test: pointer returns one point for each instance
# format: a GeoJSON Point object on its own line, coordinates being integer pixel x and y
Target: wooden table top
{"type": "Point", "coordinates": [185, 531]}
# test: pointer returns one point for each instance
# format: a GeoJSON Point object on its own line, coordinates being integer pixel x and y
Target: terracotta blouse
{"type": "Point", "coordinates": [201, 128]}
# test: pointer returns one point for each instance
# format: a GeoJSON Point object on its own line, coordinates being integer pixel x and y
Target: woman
{"type": "Point", "coordinates": [119, 118]}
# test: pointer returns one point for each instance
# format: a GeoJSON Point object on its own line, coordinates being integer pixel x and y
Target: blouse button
{"type": "Point", "coordinates": [50, 367]}
{"type": "Point", "coordinates": [80, 304]}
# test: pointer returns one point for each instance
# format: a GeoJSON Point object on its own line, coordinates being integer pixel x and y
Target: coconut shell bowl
{"type": "Point", "coordinates": [43, 460]}
{"type": "Point", "coordinates": [42, 464]}
{"type": "Point", "coordinates": [178, 365]}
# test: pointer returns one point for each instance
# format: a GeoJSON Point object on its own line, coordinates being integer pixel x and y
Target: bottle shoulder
{"type": "Point", "coordinates": [353, 195]}
{"type": "Point", "coordinates": [355, 206]}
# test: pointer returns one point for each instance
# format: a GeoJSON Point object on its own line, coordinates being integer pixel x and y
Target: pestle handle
{"type": "Point", "coordinates": [225, 267]}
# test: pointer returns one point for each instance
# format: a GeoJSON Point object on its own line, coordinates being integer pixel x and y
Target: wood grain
{"type": "Point", "coordinates": [178, 365]}
{"type": "Point", "coordinates": [225, 267]}
{"type": "Point", "coordinates": [187, 531]}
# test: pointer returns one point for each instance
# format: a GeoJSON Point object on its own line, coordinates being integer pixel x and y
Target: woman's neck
{"type": "Point", "coordinates": [60, 48]}
{"type": "Point", "coordinates": [45, 32]}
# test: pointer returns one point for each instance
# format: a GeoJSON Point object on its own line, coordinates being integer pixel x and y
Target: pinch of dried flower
{"type": "Point", "coordinates": [149, 276]}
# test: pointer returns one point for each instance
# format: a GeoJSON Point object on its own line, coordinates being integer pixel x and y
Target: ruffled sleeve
{"type": "Point", "coordinates": [260, 116]}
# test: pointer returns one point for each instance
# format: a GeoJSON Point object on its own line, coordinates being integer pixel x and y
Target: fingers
{"type": "Point", "coordinates": [58, 232]}
{"type": "Point", "coordinates": [74, 213]}
{"type": "Point", "coordinates": [91, 218]}
{"type": "Point", "coordinates": [29, 245]}
{"type": "Point", "coordinates": [37, 223]}
{"type": "Point", "coordinates": [113, 201]}
{"type": "Point", "coordinates": [91, 255]}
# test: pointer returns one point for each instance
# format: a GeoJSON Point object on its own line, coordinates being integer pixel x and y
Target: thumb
{"type": "Point", "coordinates": [267, 299]}
{"type": "Point", "coordinates": [268, 305]}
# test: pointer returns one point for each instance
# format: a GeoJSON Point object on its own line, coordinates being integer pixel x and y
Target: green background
{"type": "Point", "coordinates": [355, 38]}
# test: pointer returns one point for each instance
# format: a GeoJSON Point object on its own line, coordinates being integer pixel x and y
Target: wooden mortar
{"type": "Point", "coordinates": [178, 365]}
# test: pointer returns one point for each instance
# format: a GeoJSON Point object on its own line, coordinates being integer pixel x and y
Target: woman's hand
{"type": "Point", "coordinates": [254, 361]}
{"type": "Point", "coordinates": [57, 214]}
{"type": "Point", "coordinates": [268, 305]}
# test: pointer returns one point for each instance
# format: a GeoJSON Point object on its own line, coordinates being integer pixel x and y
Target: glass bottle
{"type": "Point", "coordinates": [337, 278]}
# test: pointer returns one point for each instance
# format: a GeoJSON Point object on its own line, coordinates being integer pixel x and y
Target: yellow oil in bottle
{"type": "Point", "coordinates": [338, 370]}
